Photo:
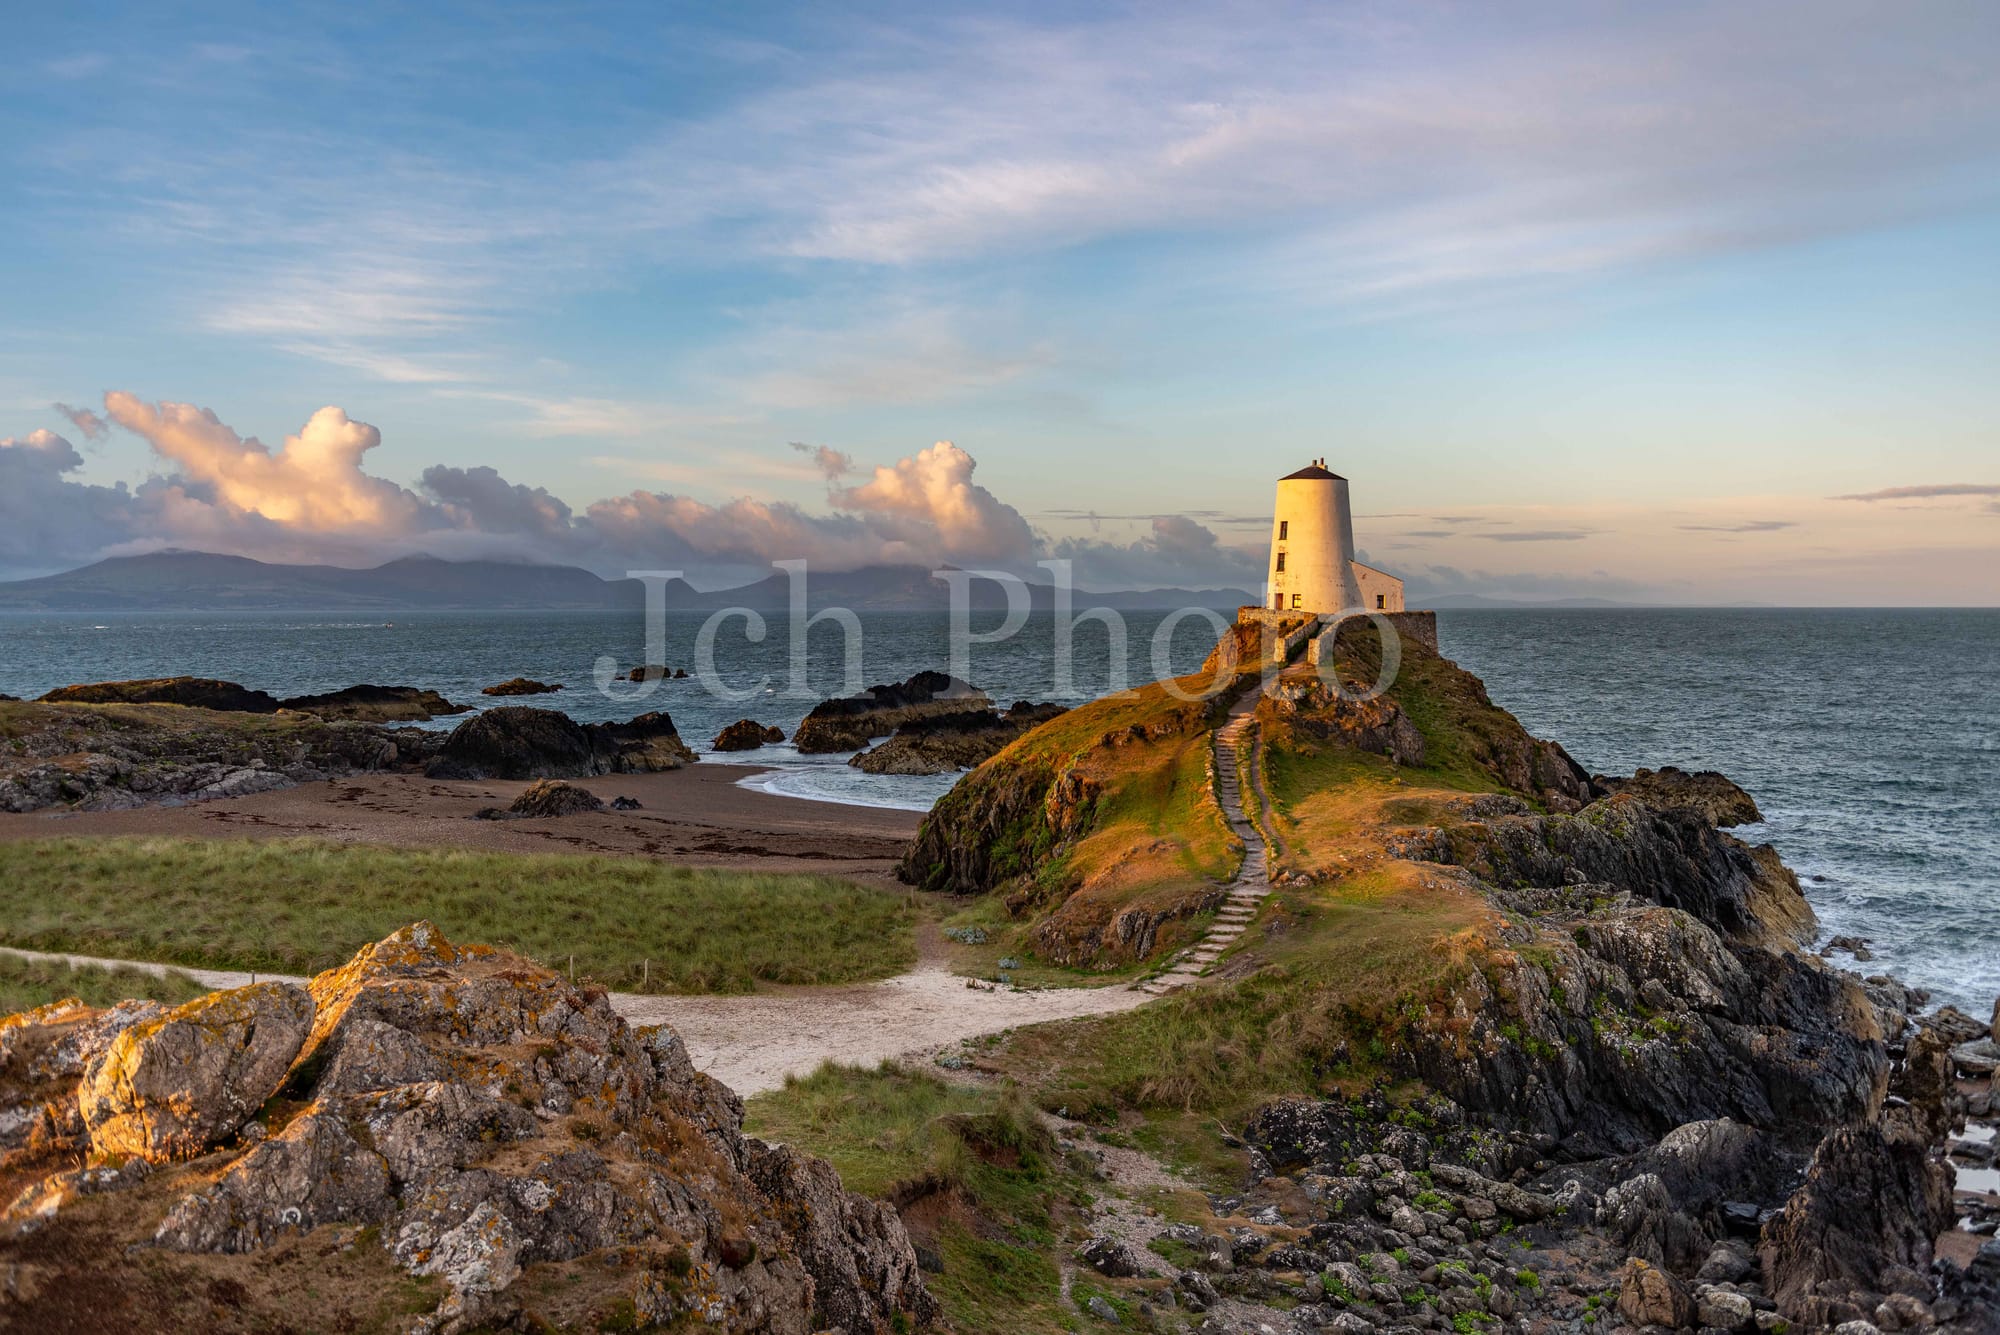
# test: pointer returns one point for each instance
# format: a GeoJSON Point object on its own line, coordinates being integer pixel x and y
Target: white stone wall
{"type": "Point", "coordinates": [1380, 590]}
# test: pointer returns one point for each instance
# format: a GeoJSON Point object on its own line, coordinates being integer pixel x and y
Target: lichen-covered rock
{"type": "Point", "coordinates": [747, 734]}
{"type": "Point", "coordinates": [1649, 1296]}
{"type": "Point", "coordinates": [43, 1054]}
{"type": "Point", "coordinates": [485, 1117]}
{"type": "Point", "coordinates": [172, 1086]}
{"type": "Point", "coordinates": [855, 1248]}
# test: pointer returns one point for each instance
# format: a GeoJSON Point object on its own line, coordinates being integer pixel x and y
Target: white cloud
{"type": "Point", "coordinates": [314, 482]}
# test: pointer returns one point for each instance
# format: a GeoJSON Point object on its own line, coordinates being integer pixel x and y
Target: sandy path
{"type": "Point", "coordinates": [752, 1043]}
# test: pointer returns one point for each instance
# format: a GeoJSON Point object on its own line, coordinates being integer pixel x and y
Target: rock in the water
{"type": "Point", "coordinates": [172, 1086]}
{"type": "Point", "coordinates": [196, 692]}
{"type": "Point", "coordinates": [375, 704]}
{"type": "Point", "coordinates": [747, 735]}
{"type": "Point", "coordinates": [850, 722]}
{"type": "Point", "coordinates": [546, 797]}
{"type": "Point", "coordinates": [521, 742]}
{"type": "Point", "coordinates": [520, 686]}
{"type": "Point", "coordinates": [941, 743]}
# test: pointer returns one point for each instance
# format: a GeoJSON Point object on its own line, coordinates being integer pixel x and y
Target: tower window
{"type": "Point", "coordinates": [1281, 563]}
{"type": "Point", "coordinates": [1295, 602]}
{"type": "Point", "coordinates": [1284, 529]}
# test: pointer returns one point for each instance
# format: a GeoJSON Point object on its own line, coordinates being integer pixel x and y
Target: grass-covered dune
{"type": "Point", "coordinates": [26, 984]}
{"type": "Point", "coordinates": [300, 906]}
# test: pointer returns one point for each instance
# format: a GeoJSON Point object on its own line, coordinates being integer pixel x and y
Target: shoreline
{"type": "Point", "coordinates": [701, 815]}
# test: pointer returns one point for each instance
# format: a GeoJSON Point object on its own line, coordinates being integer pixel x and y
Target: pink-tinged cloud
{"type": "Point", "coordinates": [929, 501]}
{"type": "Point", "coordinates": [313, 482]}
{"type": "Point", "coordinates": [89, 423]}
{"type": "Point", "coordinates": [831, 463]}
{"type": "Point", "coordinates": [312, 498]}
{"type": "Point", "coordinates": [1925, 491]}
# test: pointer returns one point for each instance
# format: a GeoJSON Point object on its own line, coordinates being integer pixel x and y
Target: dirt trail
{"type": "Point", "coordinates": [752, 1043]}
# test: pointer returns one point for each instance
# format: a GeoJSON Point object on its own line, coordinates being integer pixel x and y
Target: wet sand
{"type": "Point", "coordinates": [697, 816]}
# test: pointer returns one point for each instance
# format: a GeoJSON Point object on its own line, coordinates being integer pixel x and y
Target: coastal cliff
{"type": "Point", "coordinates": [1488, 988]}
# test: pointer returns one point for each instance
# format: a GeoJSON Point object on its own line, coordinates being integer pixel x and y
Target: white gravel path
{"type": "Point", "coordinates": [752, 1043]}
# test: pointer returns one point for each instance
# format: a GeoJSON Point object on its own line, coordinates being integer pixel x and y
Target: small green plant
{"type": "Point", "coordinates": [1402, 1255]}
{"type": "Point", "coordinates": [1431, 1200]}
{"type": "Point", "coordinates": [1527, 1279]}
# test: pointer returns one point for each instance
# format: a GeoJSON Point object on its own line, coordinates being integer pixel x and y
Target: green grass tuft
{"type": "Point", "coordinates": [26, 984]}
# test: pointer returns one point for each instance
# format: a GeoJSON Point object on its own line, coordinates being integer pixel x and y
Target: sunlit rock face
{"type": "Point", "coordinates": [480, 1116]}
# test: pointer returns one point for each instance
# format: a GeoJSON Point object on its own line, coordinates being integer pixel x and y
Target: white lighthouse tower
{"type": "Point", "coordinates": [1313, 570]}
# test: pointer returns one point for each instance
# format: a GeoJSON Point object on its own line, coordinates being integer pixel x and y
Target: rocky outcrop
{"type": "Point", "coordinates": [108, 757]}
{"type": "Point", "coordinates": [1672, 855]}
{"type": "Point", "coordinates": [543, 798]}
{"type": "Point", "coordinates": [1712, 797]}
{"type": "Point", "coordinates": [43, 1055]}
{"type": "Point", "coordinates": [747, 735]}
{"type": "Point", "coordinates": [484, 1119]}
{"type": "Point", "coordinates": [1017, 813]}
{"type": "Point", "coordinates": [376, 704]}
{"type": "Point", "coordinates": [520, 686]}
{"type": "Point", "coordinates": [850, 722]}
{"type": "Point", "coordinates": [1317, 712]}
{"type": "Point", "coordinates": [170, 1087]}
{"type": "Point", "coordinates": [519, 742]}
{"type": "Point", "coordinates": [195, 692]}
{"type": "Point", "coordinates": [942, 743]}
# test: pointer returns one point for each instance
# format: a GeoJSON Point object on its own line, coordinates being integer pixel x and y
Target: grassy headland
{"type": "Point", "coordinates": [300, 906]}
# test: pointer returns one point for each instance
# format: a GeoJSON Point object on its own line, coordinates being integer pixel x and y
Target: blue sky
{"type": "Point", "coordinates": [1587, 299]}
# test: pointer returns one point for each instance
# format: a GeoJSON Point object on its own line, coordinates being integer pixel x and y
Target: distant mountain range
{"type": "Point", "coordinates": [175, 581]}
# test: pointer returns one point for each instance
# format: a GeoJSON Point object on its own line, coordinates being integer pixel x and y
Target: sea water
{"type": "Point", "coordinates": [1870, 739]}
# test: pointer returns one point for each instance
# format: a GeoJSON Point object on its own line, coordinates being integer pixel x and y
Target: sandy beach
{"type": "Point", "coordinates": [698, 816]}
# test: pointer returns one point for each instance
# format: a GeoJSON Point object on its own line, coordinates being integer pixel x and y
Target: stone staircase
{"type": "Point", "coordinates": [1252, 881]}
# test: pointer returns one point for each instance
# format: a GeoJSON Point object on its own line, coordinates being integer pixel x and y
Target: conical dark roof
{"type": "Point", "coordinates": [1313, 472]}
